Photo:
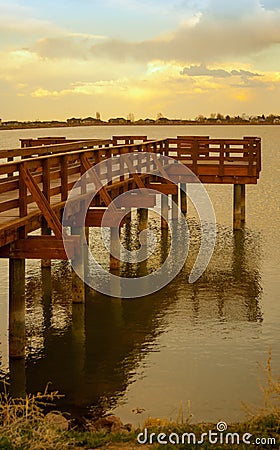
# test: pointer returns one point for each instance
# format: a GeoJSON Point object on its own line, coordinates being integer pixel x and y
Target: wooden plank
{"type": "Point", "coordinates": [41, 247]}
{"type": "Point", "coordinates": [167, 188]}
{"type": "Point", "coordinates": [136, 200]}
{"type": "Point", "coordinates": [9, 204]}
{"type": "Point", "coordinates": [8, 186]}
{"type": "Point", "coordinates": [94, 218]}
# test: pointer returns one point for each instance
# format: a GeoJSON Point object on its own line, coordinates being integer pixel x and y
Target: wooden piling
{"type": "Point", "coordinates": [78, 288]}
{"type": "Point", "coordinates": [46, 263]}
{"type": "Point", "coordinates": [115, 248]}
{"type": "Point", "coordinates": [128, 218]}
{"type": "Point", "coordinates": [143, 218]}
{"type": "Point", "coordinates": [79, 342]}
{"type": "Point", "coordinates": [16, 308]}
{"type": "Point", "coordinates": [243, 203]}
{"type": "Point", "coordinates": [17, 379]}
{"type": "Point", "coordinates": [46, 271]}
{"type": "Point", "coordinates": [184, 205]}
{"type": "Point", "coordinates": [237, 206]}
{"type": "Point", "coordinates": [175, 203]}
{"type": "Point", "coordinates": [164, 244]}
{"type": "Point", "coordinates": [164, 211]}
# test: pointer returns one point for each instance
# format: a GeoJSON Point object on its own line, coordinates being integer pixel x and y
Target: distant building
{"type": "Point", "coordinates": [117, 120]}
{"type": "Point", "coordinates": [90, 121]}
{"type": "Point", "coordinates": [73, 121]}
{"type": "Point", "coordinates": [162, 120]}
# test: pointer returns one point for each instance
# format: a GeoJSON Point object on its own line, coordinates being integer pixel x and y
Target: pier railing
{"type": "Point", "coordinates": [56, 168]}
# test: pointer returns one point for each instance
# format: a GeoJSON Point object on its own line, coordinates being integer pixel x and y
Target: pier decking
{"type": "Point", "coordinates": [36, 179]}
{"type": "Point", "coordinates": [48, 169]}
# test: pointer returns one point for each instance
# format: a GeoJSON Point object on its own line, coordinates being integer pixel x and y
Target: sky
{"type": "Point", "coordinates": [181, 58]}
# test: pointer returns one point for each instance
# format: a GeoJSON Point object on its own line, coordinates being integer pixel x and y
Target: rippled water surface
{"type": "Point", "coordinates": [200, 345]}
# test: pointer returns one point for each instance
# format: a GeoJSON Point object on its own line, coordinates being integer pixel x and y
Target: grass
{"type": "Point", "coordinates": [23, 426]}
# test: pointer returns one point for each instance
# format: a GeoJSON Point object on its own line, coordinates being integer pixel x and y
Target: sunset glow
{"type": "Point", "coordinates": [180, 58]}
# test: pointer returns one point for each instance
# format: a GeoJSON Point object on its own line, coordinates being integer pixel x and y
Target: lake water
{"type": "Point", "coordinates": [198, 345]}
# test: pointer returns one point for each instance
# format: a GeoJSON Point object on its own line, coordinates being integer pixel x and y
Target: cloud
{"type": "Point", "coordinates": [270, 4]}
{"type": "Point", "coordinates": [202, 70]}
{"type": "Point", "coordinates": [17, 20]}
{"type": "Point", "coordinates": [71, 46]}
{"type": "Point", "coordinates": [231, 31]}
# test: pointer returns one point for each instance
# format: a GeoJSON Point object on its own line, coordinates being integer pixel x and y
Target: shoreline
{"type": "Point", "coordinates": [23, 127]}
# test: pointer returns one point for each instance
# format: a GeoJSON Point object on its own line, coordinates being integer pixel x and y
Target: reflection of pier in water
{"type": "Point", "coordinates": [35, 190]}
{"type": "Point", "coordinates": [90, 352]}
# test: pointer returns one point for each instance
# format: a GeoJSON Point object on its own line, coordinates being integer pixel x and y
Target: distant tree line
{"type": "Point", "coordinates": [214, 118]}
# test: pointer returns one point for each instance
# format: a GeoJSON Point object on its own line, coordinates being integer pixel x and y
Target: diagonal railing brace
{"type": "Point", "coordinates": [43, 204]}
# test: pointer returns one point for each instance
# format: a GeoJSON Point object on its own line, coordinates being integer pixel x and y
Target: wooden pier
{"type": "Point", "coordinates": [35, 181]}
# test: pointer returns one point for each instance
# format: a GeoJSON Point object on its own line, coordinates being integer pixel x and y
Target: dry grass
{"type": "Point", "coordinates": [23, 425]}
{"type": "Point", "coordinates": [271, 396]}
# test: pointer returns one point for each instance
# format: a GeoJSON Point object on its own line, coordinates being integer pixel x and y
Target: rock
{"type": "Point", "coordinates": [110, 423]}
{"type": "Point", "coordinates": [57, 421]}
{"type": "Point", "coordinates": [79, 424]}
{"type": "Point", "coordinates": [128, 426]}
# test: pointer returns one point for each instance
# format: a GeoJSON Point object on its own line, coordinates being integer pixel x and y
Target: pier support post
{"type": "Point", "coordinates": [237, 206]}
{"type": "Point", "coordinates": [78, 287]}
{"type": "Point", "coordinates": [183, 193]}
{"type": "Point", "coordinates": [17, 388]}
{"type": "Point", "coordinates": [128, 218]}
{"type": "Point", "coordinates": [46, 270]}
{"type": "Point", "coordinates": [143, 218]}
{"type": "Point", "coordinates": [86, 257]}
{"type": "Point", "coordinates": [243, 203]}
{"type": "Point", "coordinates": [164, 244]}
{"type": "Point", "coordinates": [175, 199]}
{"type": "Point", "coordinates": [115, 248]}
{"type": "Point", "coordinates": [16, 308]}
{"type": "Point", "coordinates": [164, 211]}
{"type": "Point", "coordinates": [78, 339]}
{"type": "Point", "coordinates": [46, 231]}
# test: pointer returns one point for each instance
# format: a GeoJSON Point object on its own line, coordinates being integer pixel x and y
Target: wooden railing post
{"type": "Point", "coordinates": [222, 159]}
{"type": "Point", "coordinates": [22, 200]}
{"type": "Point", "coordinates": [64, 177]}
{"type": "Point", "coordinates": [194, 149]}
